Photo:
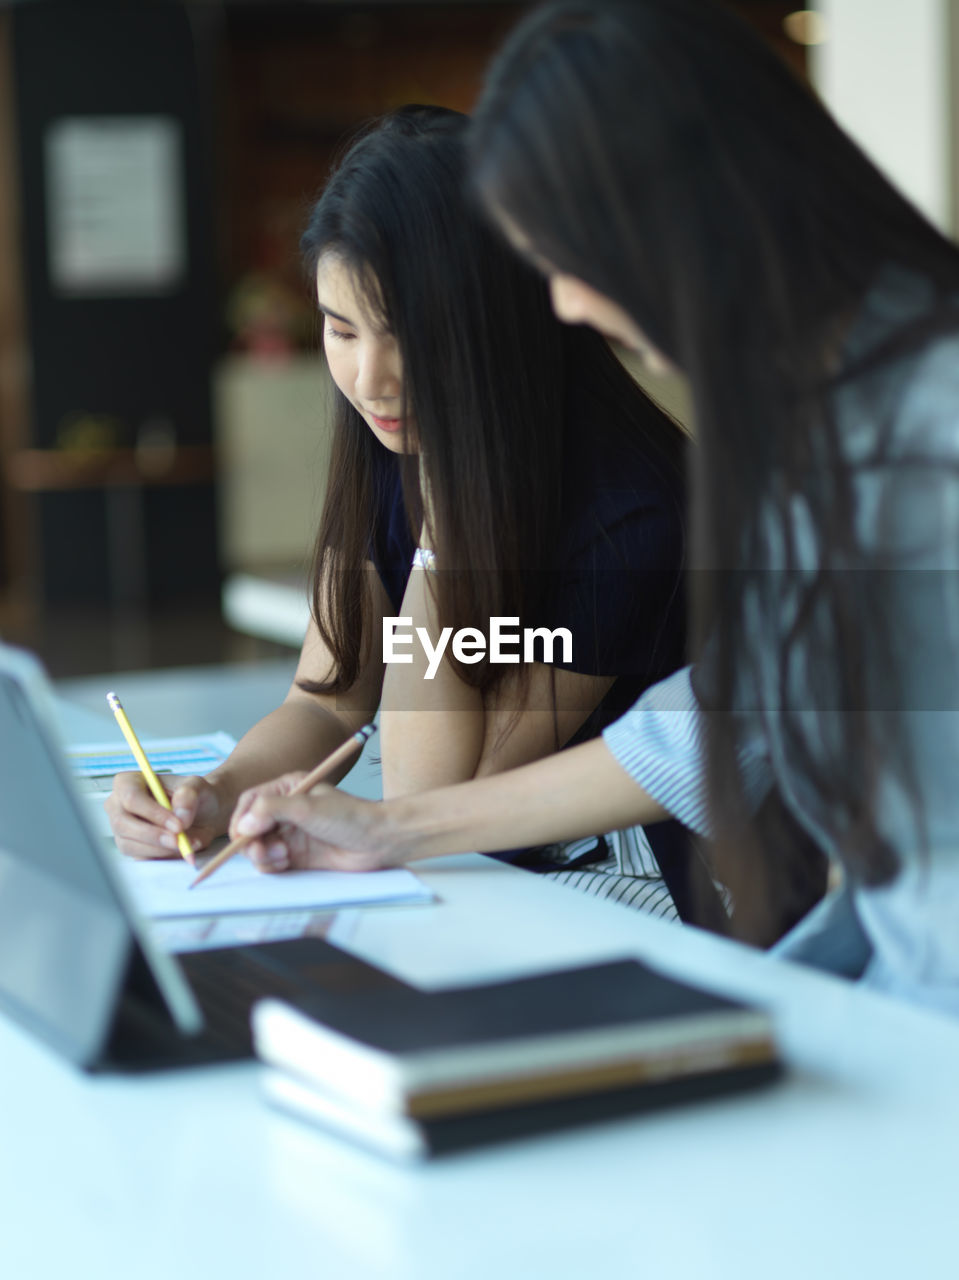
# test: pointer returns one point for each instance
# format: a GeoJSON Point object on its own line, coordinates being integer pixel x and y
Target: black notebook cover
{"type": "Point", "coordinates": [402, 1020]}
{"type": "Point", "coordinates": [389, 1046]}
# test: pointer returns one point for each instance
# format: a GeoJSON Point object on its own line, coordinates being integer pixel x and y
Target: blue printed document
{"type": "Point", "coordinates": [198, 754]}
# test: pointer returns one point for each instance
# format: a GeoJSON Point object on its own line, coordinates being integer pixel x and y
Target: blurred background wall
{"type": "Point", "coordinates": [163, 405]}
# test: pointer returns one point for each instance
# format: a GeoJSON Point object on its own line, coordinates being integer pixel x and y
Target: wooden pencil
{"type": "Point", "coordinates": [322, 770]}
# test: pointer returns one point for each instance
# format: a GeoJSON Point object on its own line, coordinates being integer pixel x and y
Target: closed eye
{"type": "Point", "coordinates": [339, 333]}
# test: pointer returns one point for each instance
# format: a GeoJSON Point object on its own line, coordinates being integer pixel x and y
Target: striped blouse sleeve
{"type": "Point", "coordinates": [660, 742]}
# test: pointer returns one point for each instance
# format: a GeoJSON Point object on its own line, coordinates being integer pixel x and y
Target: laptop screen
{"type": "Point", "coordinates": [65, 934]}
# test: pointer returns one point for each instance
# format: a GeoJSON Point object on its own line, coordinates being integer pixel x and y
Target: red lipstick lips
{"type": "Point", "coordinates": [387, 424]}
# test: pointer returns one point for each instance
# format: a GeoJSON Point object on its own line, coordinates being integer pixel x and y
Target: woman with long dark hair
{"type": "Point", "coordinates": [684, 193]}
{"type": "Point", "coordinates": [487, 463]}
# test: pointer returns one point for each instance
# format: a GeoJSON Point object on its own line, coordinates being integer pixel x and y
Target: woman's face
{"type": "Point", "coordinates": [363, 358]}
{"type": "Point", "coordinates": [576, 302]}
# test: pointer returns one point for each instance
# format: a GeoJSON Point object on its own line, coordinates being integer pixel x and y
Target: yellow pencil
{"type": "Point", "coordinates": [152, 781]}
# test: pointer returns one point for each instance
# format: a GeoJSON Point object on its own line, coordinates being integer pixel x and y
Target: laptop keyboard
{"type": "Point", "coordinates": [226, 984]}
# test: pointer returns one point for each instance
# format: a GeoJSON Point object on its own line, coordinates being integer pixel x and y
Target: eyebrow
{"type": "Point", "coordinates": [327, 311]}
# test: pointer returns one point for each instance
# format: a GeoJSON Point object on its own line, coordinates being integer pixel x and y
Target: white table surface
{"type": "Point", "coordinates": [181, 700]}
{"type": "Point", "coordinates": [849, 1169]}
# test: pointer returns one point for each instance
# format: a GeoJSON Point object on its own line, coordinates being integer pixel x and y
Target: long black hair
{"type": "Point", "coordinates": [659, 150]}
{"type": "Point", "coordinates": [491, 377]}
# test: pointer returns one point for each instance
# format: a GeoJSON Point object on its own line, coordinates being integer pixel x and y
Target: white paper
{"type": "Point", "coordinates": [115, 204]}
{"type": "Point", "coordinates": [162, 888]}
{"type": "Point", "coordinates": [204, 933]}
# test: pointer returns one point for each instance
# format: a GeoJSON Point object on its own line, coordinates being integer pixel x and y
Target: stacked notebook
{"type": "Point", "coordinates": [416, 1073]}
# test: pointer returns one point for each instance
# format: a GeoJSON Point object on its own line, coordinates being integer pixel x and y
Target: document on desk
{"type": "Point", "coordinates": [197, 754]}
{"type": "Point", "coordinates": [161, 889]}
{"type": "Point", "coordinates": [206, 933]}
{"type": "Point", "coordinates": [94, 764]}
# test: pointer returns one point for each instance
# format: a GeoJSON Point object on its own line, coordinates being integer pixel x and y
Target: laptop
{"type": "Point", "coordinates": [78, 964]}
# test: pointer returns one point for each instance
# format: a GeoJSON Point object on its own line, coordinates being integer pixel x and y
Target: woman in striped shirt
{"type": "Point", "coordinates": [685, 194]}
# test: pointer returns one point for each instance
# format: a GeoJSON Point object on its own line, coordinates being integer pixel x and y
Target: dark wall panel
{"type": "Point", "coordinates": [132, 362]}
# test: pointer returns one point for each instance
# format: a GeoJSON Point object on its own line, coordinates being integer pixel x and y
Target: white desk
{"type": "Point", "coordinates": [850, 1170]}
{"type": "Point", "coordinates": [198, 699]}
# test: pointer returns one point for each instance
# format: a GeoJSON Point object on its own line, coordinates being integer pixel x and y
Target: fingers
{"type": "Point", "coordinates": [270, 855]}
{"type": "Point", "coordinates": [277, 787]}
{"type": "Point", "coordinates": [317, 831]}
{"type": "Point", "coordinates": [291, 849]}
{"type": "Point", "coordinates": [131, 795]}
{"type": "Point", "coordinates": [269, 808]}
{"type": "Point", "coordinates": [185, 798]}
{"type": "Point", "coordinates": [199, 807]}
{"type": "Point", "coordinates": [142, 828]}
{"type": "Point", "coordinates": [151, 845]}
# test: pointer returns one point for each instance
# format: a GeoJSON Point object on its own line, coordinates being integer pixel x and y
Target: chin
{"type": "Point", "coordinates": [395, 443]}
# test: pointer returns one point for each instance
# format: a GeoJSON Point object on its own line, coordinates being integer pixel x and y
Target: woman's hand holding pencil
{"type": "Point", "coordinates": [153, 783]}
{"type": "Point", "coordinates": [145, 830]}
{"type": "Point", "coordinates": [294, 784]}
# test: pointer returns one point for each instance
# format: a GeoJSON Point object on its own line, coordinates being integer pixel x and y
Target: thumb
{"type": "Point", "coordinates": [246, 799]}
{"type": "Point", "coordinates": [185, 799]}
{"type": "Point", "coordinates": [267, 811]}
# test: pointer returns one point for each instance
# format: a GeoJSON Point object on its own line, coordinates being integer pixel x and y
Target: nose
{"type": "Point", "coordinates": [378, 372]}
{"type": "Point", "coordinates": [566, 294]}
